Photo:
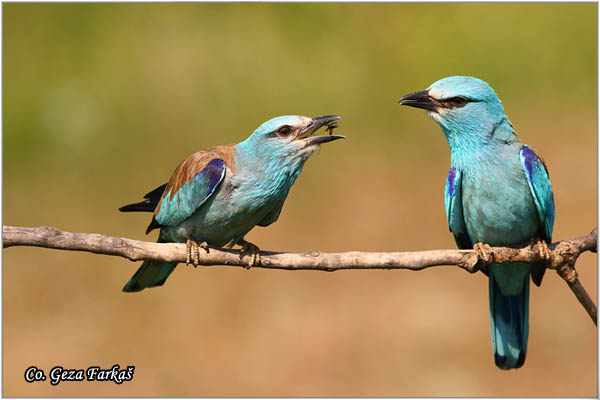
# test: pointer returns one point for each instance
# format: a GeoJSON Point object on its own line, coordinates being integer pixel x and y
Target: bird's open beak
{"type": "Point", "coordinates": [315, 124]}
{"type": "Point", "coordinates": [420, 100]}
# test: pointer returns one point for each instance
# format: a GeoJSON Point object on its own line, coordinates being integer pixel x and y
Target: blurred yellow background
{"type": "Point", "coordinates": [102, 101]}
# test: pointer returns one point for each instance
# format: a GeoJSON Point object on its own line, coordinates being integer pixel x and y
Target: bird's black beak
{"type": "Point", "coordinates": [420, 100]}
{"type": "Point", "coordinates": [322, 139]}
{"type": "Point", "coordinates": [314, 125]}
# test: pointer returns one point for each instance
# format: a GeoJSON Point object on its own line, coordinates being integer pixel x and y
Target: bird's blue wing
{"type": "Point", "coordinates": [541, 190]}
{"type": "Point", "coordinates": [192, 183]}
{"type": "Point", "coordinates": [454, 209]}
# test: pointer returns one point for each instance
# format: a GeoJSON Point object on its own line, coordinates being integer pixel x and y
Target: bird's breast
{"type": "Point", "coordinates": [240, 203]}
{"type": "Point", "coordinates": [498, 205]}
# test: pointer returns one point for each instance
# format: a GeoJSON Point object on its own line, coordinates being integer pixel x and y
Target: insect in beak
{"type": "Point", "coordinates": [330, 127]}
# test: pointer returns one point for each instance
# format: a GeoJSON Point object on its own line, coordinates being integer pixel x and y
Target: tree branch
{"type": "Point", "coordinates": [564, 254]}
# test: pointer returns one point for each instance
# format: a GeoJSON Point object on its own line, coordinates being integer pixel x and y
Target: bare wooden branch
{"type": "Point", "coordinates": [584, 299]}
{"type": "Point", "coordinates": [564, 254]}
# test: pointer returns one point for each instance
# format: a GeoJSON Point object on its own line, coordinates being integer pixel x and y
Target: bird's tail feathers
{"type": "Point", "coordinates": [509, 318]}
{"type": "Point", "coordinates": [150, 274]}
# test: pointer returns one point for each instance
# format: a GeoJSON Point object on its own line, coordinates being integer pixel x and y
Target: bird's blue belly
{"type": "Point", "coordinates": [499, 210]}
{"type": "Point", "coordinates": [223, 218]}
{"type": "Point", "coordinates": [498, 207]}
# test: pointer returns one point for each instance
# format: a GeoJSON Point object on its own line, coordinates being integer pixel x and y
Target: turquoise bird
{"type": "Point", "coordinates": [217, 195]}
{"type": "Point", "coordinates": [497, 193]}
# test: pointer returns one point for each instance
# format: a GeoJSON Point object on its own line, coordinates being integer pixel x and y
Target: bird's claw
{"type": "Point", "coordinates": [193, 252]}
{"type": "Point", "coordinates": [485, 254]}
{"type": "Point", "coordinates": [543, 250]}
{"type": "Point", "coordinates": [252, 250]}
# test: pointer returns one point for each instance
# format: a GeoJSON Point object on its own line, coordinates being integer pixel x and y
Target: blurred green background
{"type": "Point", "coordinates": [102, 101]}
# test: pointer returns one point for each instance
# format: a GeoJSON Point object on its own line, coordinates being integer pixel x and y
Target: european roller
{"type": "Point", "coordinates": [497, 193]}
{"type": "Point", "coordinates": [216, 196]}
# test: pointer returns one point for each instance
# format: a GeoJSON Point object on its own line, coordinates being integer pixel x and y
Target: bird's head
{"type": "Point", "coordinates": [289, 136]}
{"type": "Point", "coordinates": [461, 105]}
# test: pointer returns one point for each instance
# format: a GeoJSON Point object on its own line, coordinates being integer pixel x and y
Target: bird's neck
{"type": "Point", "coordinates": [478, 141]}
{"type": "Point", "coordinates": [266, 169]}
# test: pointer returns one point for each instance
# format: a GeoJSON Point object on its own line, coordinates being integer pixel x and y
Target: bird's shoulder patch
{"type": "Point", "coordinates": [189, 168]}
{"type": "Point", "coordinates": [529, 157]}
{"type": "Point", "coordinates": [194, 180]}
{"type": "Point", "coordinates": [450, 182]}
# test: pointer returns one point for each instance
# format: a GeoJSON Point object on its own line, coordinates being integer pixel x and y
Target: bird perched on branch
{"type": "Point", "coordinates": [497, 193]}
{"type": "Point", "coordinates": [217, 195]}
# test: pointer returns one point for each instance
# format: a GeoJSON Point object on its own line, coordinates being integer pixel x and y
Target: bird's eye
{"type": "Point", "coordinates": [284, 130]}
{"type": "Point", "coordinates": [456, 102]}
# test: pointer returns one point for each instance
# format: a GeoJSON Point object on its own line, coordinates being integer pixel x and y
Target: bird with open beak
{"type": "Point", "coordinates": [216, 196]}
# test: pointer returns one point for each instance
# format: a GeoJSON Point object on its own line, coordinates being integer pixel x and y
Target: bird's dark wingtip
{"type": "Point", "coordinates": [152, 199]}
{"type": "Point", "coordinates": [143, 206]}
{"type": "Point", "coordinates": [132, 287]}
{"type": "Point", "coordinates": [153, 225]}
